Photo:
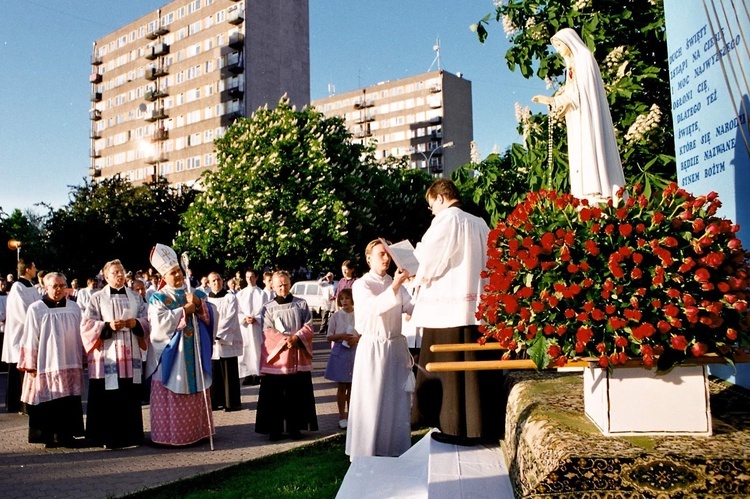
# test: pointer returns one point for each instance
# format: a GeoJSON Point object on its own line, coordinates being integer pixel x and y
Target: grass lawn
{"type": "Point", "coordinates": [314, 471]}
{"type": "Point", "coordinates": [311, 471]}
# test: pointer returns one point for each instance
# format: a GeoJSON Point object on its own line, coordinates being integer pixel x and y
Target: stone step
{"type": "Point", "coordinates": [430, 469]}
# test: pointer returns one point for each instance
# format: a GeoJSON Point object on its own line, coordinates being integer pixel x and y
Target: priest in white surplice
{"type": "Point", "coordinates": [466, 406]}
{"type": "Point", "coordinates": [114, 329]}
{"type": "Point", "coordinates": [250, 301]}
{"type": "Point", "coordinates": [51, 355]}
{"type": "Point", "coordinates": [22, 294]}
{"type": "Point", "coordinates": [225, 390]}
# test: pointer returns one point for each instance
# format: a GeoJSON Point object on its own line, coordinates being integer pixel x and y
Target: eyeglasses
{"type": "Point", "coordinates": [58, 286]}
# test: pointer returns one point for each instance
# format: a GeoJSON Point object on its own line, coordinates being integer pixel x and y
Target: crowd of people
{"type": "Point", "coordinates": [187, 347]}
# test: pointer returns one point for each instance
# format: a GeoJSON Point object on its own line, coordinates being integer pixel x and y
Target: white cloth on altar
{"type": "Point", "coordinates": [595, 165]}
{"type": "Point", "coordinates": [20, 298]}
{"type": "Point", "coordinates": [451, 255]}
{"type": "Point", "coordinates": [379, 410]}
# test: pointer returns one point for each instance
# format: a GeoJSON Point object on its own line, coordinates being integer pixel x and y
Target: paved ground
{"type": "Point", "coordinates": [31, 471]}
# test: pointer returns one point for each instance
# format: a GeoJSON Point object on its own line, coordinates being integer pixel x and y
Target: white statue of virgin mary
{"type": "Point", "coordinates": [595, 167]}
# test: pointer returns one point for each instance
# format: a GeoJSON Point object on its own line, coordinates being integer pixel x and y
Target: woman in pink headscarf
{"type": "Point", "coordinates": [595, 168]}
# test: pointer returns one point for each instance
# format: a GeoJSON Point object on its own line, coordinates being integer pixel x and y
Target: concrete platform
{"type": "Point", "coordinates": [430, 469]}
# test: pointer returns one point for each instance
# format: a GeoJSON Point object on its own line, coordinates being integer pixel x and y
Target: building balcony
{"type": "Point", "coordinates": [96, 96]}
{"type": "Point", "coordinates": [435, 103]}
{"type": "Point", "coordinates": [362, 135]}
{"type": "Point", "coordinates": [95, 115]}
{"type": "Point", "coordinates": [157, 50]}
{"type": "Point", "coordinates": [153, 95]}
{"type": "Point", "coordinates": [153, 160]}
{"type": "Point", "coordinates": [156, 115]}
{"type": "Point", "coordinates": [96, 60]}
{"type": "Point", "coordinates": [96, 172]}
{"type": "Point", "coordinates": [438, 151]}
{"type": "Point", "coordinates": [235, 17]}
{"type": "Point", "coordinates": [160, 134]}
{"type": "Point", "coordinates": [438, 168]}
{"type": "Point", "coordinates": [236, 93]}
{"type": "Point", "coordinates": [364, 119]}
{"type": "Point", "coordinates": [237, 41]}
{"type": "Point", "coordinates": [94, 135]}
{"type": "Point", "coordinates": [236, 67]}
{"type": "Point", "coordinates": [161, 31]}
{"type": "Point", "coordinates": [95, 154]}
{"type": "Point", "coordinates": [436, 135]}
{"type": "Point", "coordinates": [154, 73]}
{"type": "Point", "coordinates": [435, 89]}
{"type": "Point", "coordinates": [95, 78]}
{"type": "Point", "coordinates": [436, 120]}
{"type": "Point", "coordinates": [360, 104]}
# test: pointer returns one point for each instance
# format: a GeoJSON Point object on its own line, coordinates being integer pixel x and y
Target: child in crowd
{"type": "Point", "coordinates": [286, 401]}
{"type": "Point", "coordinates": [341, 362]}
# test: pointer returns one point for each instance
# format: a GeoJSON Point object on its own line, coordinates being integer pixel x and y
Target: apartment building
{"type": "Point", "coordinates": [166, 85]}
{"type": "Point", "coordinates": [427, 118]}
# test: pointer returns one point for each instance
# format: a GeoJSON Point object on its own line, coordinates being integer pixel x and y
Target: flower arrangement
{"type": "Point", "coordinates": [660, 278]}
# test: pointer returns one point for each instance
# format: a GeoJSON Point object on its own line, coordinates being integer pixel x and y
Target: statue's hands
{"type": "Point", "coordinates": [542, 99]}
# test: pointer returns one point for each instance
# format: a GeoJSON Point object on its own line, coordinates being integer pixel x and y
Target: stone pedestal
{"type": "Point", "coordinates": [637, 401]}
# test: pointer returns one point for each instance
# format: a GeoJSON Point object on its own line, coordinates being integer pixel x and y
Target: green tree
{"type": "Point", "coordinates": [112, 219]}
{"type": "Point", "coordinates": [628, 39]}
{"type": "Point", "coordinates": [26, 227]}
{"type": "Point", "coordinates": [494, 186]}
{"type": "Point", "coordinates": [292, 189]}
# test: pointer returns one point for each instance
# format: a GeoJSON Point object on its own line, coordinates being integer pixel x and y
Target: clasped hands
{"type": "Point", "coordinates": [118, 324]}
{"type": "Point", "coordinates": [193, 303]}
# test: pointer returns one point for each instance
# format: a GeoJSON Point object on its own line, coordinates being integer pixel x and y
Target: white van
{"type": "Point", "coordinates": [312, 293]}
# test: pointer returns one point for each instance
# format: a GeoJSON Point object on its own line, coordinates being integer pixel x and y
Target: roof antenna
{"type": "Point", "coordinates": [436, 48]}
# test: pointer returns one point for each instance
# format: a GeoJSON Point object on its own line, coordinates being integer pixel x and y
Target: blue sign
{"type": "Point", "coordinates": [709, 72]}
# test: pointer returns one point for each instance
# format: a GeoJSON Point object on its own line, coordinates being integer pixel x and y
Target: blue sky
{"type": "Point", "coordinates": [45, 47]}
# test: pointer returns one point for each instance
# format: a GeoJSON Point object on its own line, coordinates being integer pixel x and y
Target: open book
{"type": "Point", "coordinates": [402, 254]}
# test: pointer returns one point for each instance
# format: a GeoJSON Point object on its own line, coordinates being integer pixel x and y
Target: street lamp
{"type": "Point", "coordinates": [14, 244]}
{"type": "Point", "coordinates": [427, 158]}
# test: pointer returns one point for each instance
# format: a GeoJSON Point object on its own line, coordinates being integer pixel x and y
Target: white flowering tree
{"type": "Point", "coordinates": [292, 190]}
{"type": "Point", "coordinates": [628, 40]}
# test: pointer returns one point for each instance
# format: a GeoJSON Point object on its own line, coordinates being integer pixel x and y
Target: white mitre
{"type": "Point", "coordinates": [163, 258]}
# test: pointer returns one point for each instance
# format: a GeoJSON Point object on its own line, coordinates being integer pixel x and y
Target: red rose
{"type": "Point", "coordinates": [679, 342]}
{"type": "Point", "coordinates": [671, 311]}
{"type": "Point", "coordinates": [663, 327]}
{"type": "Point", "coordinates": [621, 341]}
{"type": "Point", "coordinates": [625, 230]}
{"type": "Point", "coordinates": [584, 334]}
{"type": "Point", "coordinates": [670, 242]}
{"type": "Point", "coordinates": [702, 275]}
{"type": "Point", "coordinates": [731, 334]}
{"type": "Point", "coordinates": [603, 361]}
{"type": "Point", "coordinates": [554, 351]}
{"type": "Point", "coordinates": [658, 217]}
{"type": "Point", "coordinates": [699, 349]}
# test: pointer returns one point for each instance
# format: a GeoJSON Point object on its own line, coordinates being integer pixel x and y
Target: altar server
{"type": "Point", "coordinates": [22, 294]}
{"type": "Point", "coordinates": [225, 390]}
{"type": "Point", "coordinates": [51, 354]}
